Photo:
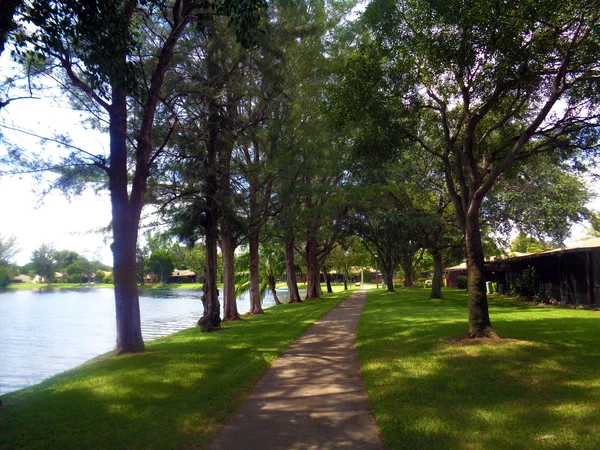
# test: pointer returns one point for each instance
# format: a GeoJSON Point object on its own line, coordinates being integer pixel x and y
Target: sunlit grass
{"type": "Point", "coordinates": [540, 390]}
{"type": "Point", "coordinates": [175, 395]}
{"type": "Point", "coordinates": [44, 286]}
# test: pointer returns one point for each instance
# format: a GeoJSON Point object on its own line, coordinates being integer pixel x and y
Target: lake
{"type": "Point", "coordinates": [43, 333]}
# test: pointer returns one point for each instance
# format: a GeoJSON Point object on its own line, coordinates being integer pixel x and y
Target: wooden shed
{"type": "Point", "coordinates": [568, 274]}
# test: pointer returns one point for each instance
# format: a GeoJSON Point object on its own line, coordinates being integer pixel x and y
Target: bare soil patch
{"type": "Point", "coordinates": [481, 341]}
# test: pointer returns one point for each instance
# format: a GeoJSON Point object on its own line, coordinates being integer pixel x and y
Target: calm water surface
{"type": "Point", "coordinates": [43, 333]}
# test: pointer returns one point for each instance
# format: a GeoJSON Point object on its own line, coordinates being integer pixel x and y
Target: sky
{"type": "Point", "coordinates": [53, 219]}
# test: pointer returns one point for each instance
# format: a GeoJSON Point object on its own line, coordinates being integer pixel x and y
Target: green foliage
{"type": "Point", "coordinates": [462, 282]}
{"type": "Point", "coordinates": [8, 249]}
{"type": "Point", "coordinates": [542, 197]}
{"type": "Point", "coordinates": [108, 279]}
{"type": "Point", "coordinates": [527, 244]}
{"type": "Point", "coordinates": [99, 276]}
{"type": "Point", "coordinates": [44, 261]}
{"type": "Point", "coordinates": [536, 389]}
{"type": "Point", "coordinates": [161, 264]}
{"type": "Point", "coordinates": [528, 287]}
{"type": "Point", "coordinates": [4, 277]}
{"type": "Point", "coordinates": [594, 218]}
{"type": "Point", "coordinates": [176, 394]}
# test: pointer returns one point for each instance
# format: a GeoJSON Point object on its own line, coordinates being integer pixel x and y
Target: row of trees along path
{"type": "Point", "coordinates": [240, 117]}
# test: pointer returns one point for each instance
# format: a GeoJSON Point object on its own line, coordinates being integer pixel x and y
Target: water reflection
{"type": "Point", "coordinates": [47, 331]}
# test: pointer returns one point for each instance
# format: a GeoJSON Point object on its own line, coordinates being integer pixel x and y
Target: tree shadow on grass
{"type": "Point", "coordinates": [174, 395]}
{"type": "Point", "coordinates": [427, 393]}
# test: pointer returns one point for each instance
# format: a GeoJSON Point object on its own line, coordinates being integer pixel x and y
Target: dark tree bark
{"type": "Point", "coordinates": [255, 303]}
{"type": "Point", "coordinates": [313, 289]}
{"type": "Point", "coordinates": [228, 246]}
{"type": "Point", "coordinates": [211, 319]}
{"type": "Point", "coordinates": [389, 279]}
{"type": "Point", "coordinates": [409, 271]}
{"type": "Point", "coordinates": [290, 271]}
{"type": "Point", "coordinates": [346, 280]}
{"type": "Point", "coordinates": [274, 292]}
{"type": "Point", "coordinates": [125, 233]}
{"type": "Point", "coordinates": [479, 317]}
{"type": "Point", "coordinates": [328, 280]}
{"type": "Point", "coordinates": [438, 268]}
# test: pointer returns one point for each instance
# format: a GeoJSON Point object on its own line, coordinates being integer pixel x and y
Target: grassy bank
{"type": "Point", "coordinates": [43, 286]}
{"type": "Point", "coordinates": [175, 395]}
{"type": "Point", "coordinates": [541, 390]}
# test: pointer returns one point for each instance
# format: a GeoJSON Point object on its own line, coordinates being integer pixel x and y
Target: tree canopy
{"type": "Point", "coordinates": [300, 134]}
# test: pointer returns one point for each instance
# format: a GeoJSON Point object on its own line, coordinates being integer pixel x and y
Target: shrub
{"type": "Point", "coordinates": [397, 285]}
{"type": "Point", "coordinates": [108, 279]}
{"type": "Point", "coordinates": [420, 283]}
{"type": "Point", "coordinates": [461, 282]}
{"type": "Point", "coordinates": [99, 276]}
{"type": "Point", "coordinates": [528, 287]}
{"type": "Point", "coordinates": [4, 277]}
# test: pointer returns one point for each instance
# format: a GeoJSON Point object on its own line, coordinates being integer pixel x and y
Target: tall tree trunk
{"type": "Point", "coordinates": [290, 271]}
{"type": "Point", "coordinates": [389, 279]}
{"type": "Point", "coordinates": [274, 292]}
{"type": "Point", "coordinates": [211, 318]}
{"type": "Point", "coordinates": [313, 290]}
{"type": "Point", "coordinates": [436, 283]}
{"type": "Point", "coordinates": [479, 318]}
{"type": "Point", "coordinates": [409, 271]}
{"type": "Point", "coordinates": [328, 280]}
{"type": "Point", "coordinates": [228, 254]}
{"type": "Point", "coordinates": [345, 280]}
{"type": "Point", "coordinates": [125, 233]}
{"type": "Point", "coordinates": [254, 240]}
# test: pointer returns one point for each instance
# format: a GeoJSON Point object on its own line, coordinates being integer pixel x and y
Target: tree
{"type": "Point", "coordinates": [141, 257]}
{"type": "Point", "coordinates": [481, 86]}
{"type": "Point", "coordinates": [594, 230]}
{"type": "Point", "coordinates": [161, 264]}
{"type": "Point", "coordinates": [8, 249]}
{"type": "Point", "coordinates": [4, 277]}
{"type": "Point", "coordinates": [347, 254]}
{"type": "Point", "coordinates": [527, 244]}
{"type": "Point", "coordinates": [380, 231]}
{"type": "Point", "coordinates": [44, 261]}
{"type": "Point", "coordinates": [98, 46]}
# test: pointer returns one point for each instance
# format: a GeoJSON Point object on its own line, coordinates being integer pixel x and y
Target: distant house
{"type": "Point", "coordinates": [42, 279]}
{"type": "Point", "coordinates": [39, 279]}
{"type": "Point", "coordinates": [21, 279]}
{"type": "Point", "coordinates": [452, 273]}
{"type": "Point", "coordinates": [567, 274]}
{"type": "Point", "coordinates": [182, 276]}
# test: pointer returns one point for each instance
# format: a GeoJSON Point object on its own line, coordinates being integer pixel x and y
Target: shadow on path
{"type": "Point", "coordinates": [312, 397]}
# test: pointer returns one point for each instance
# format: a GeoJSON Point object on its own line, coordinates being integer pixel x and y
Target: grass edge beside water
{"type": "Point", "coordinates": [176, 394]}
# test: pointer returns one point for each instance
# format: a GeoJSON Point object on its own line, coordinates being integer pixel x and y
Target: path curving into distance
{"type": "Point", "coordinates": [312, 397]}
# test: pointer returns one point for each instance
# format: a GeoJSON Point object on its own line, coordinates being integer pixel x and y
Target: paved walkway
{"type": "Point", "coordinates": [312, 397]}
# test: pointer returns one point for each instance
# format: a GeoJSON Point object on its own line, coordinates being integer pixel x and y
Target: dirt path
{"type": "Point", "coordinates": [312, 397]}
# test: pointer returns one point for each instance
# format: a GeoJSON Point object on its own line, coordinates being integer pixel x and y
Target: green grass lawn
{"type": "Point", "coordinates": [541, 390]}
{"type": "Point", "coordinates": [43, 286]}
{"type": "Point", "coordinates": [175, 395]}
